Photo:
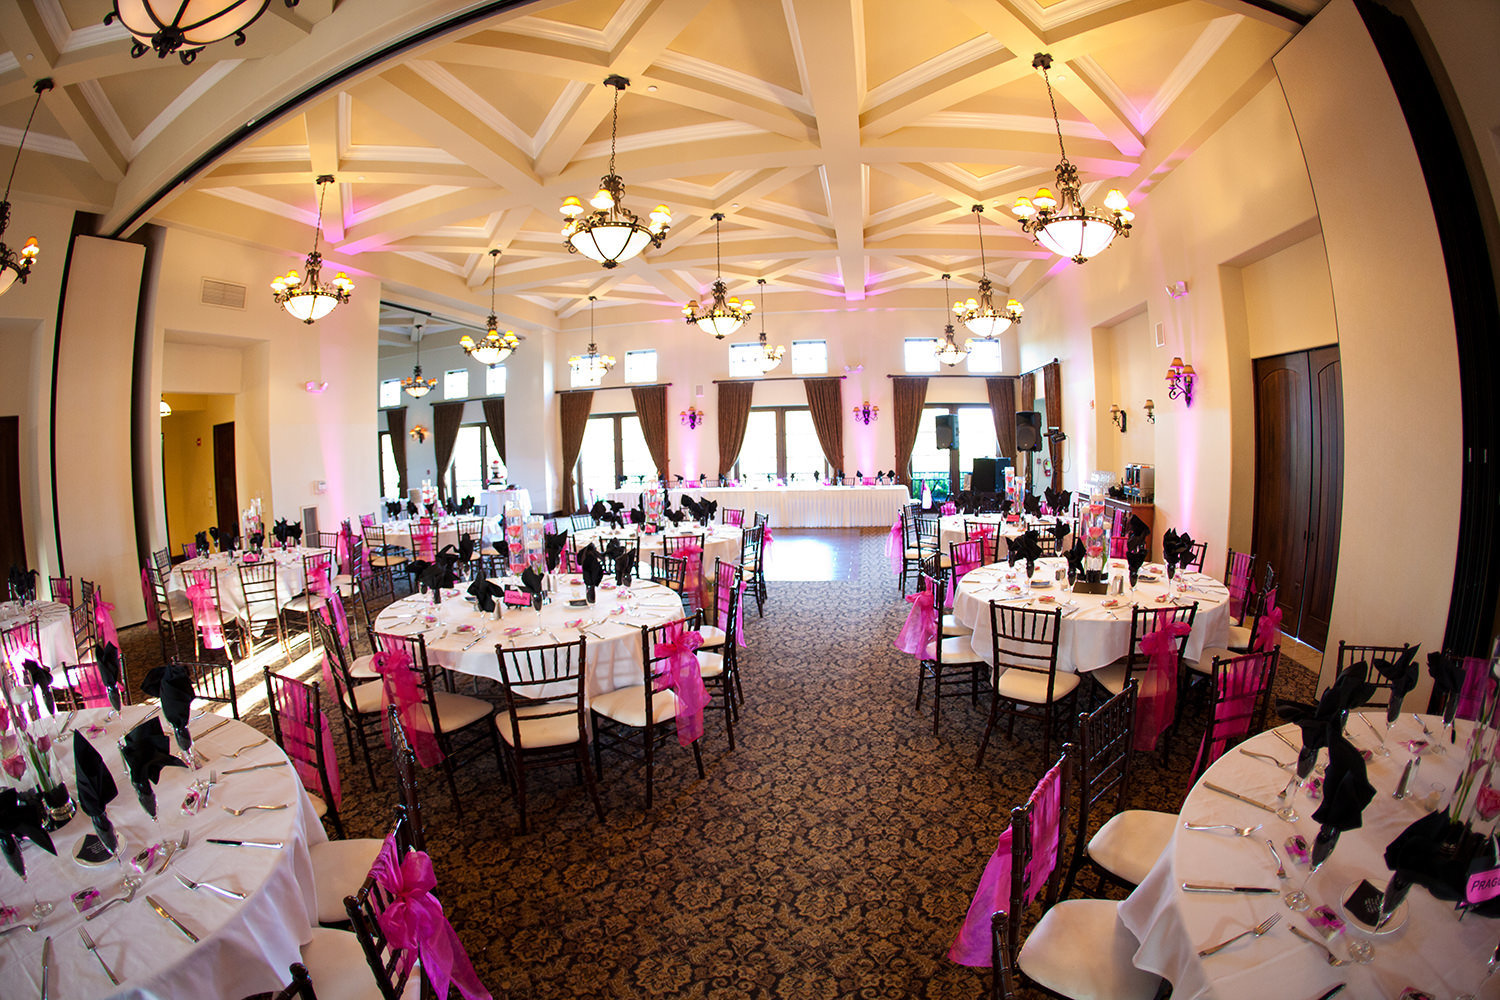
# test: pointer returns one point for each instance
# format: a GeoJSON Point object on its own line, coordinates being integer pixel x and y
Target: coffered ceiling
{"type": "Point", "coordinates": [845, 140]}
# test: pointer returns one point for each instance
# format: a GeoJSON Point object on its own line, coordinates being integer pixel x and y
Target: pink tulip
{"type": "Point", "coordinates": [14, 766]}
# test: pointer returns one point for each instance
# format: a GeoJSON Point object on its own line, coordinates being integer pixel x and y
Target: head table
{"type": "Point", "coordinates": [462, 638]}
{"type": "Point", "coordinates": [810, 506]}
{"type": "Point", "coordinates": [245, 946]}
{"type": "Point", "coordinates": [1095, 628]}
{"type": "Point", "coordinates": [1429, 948]}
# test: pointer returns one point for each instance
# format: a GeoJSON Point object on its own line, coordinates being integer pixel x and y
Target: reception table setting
{"type": "Point", "coordinates": [813, 505]}
{"type": "Point", "coordinates": [291, 573]}
{"type": "Point", "coordinates": [54, 628]}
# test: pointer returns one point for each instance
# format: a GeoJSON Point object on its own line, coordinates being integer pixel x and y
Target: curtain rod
{"type": "Point", "coordinates": [992, 375]}
{"type": "Point", "coordinates": [775, 378]}
{"type": "Point", "coordinates": [610, 388]}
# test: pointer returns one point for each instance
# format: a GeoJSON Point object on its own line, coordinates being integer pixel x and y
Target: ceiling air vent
{"type": "Point", "coordinates": [223, 293]}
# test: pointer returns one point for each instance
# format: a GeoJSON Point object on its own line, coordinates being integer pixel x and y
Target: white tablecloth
{"type": "Point", "coordinates": [291, 576]}
{"type": "Point", "coordinates": [496, 501]}
{"type": "Point", "coordinates": [54, 629]}
{"type": "Point", "coordinates": [245, 947]}
{"type": "Point", "coordinates": [799, 506]}
{"type": "Point", "coordinates": [1434, 951]}
{"type": "Point", "coordinates": [721, 541]}
{"type": "Point", "coordinates": [1094, 633]}
{"type": "Point", "coordinates": [614, 647]}
{"type": "Point", "coordinates": [399, 532]}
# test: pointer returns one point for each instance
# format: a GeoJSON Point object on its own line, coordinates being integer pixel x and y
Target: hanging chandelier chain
{"type": "Point", "coordinates": [41, 86]}
{"type": "Point", "coordinates": [494, 262]}
{"type": "Point", "coordinates": [979, 224]}
{"type": "Point", "coordinates": [718, 257]}
{"type": "Point", "coordinates": [1045, 61]}
{"type": "Point", "coordinates": [592, 348]}
{"type": "Point", "coordinates": [614, 127]}
{"type": "Point", "coordinates": [947, 297]}
{"type": "Point", "coordinates": [323, 182]}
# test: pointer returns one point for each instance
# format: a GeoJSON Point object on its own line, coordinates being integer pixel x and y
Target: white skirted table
{"type": "Point", "coordinates": [291, 575]}
{"type": "Point", "coordinates": [54, 625]}
{"type": "Point", "coordinates": [244, 946]}
{"type": "Point", "coordinates": [798, 506]}
{"type": "Point", "coordinates": [398, 533]}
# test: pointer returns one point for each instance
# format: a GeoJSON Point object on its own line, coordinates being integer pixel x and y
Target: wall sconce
{"type": "Point", "coordinates": [865, 413]}
{"type": "Point", "coordinates": [1150, 412]}
{"type": "Point", "coordinates": [1117, 416]}
{"type": "Point", "coordinates": [166, 408]}
{"type": "Point", "coordinates": [1180, 378]}
{"type": "Point", "coordinates": [419, 432]}
{"type": "Point", "coordinates": [692, 417]}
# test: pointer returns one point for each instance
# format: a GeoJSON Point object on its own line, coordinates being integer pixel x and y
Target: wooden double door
{"type": "Point", "coordinates": [1299, 480]}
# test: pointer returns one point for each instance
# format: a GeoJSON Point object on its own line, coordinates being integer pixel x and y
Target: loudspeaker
{"type": "Point", "coordinates": [983, 478]}
{"type": "Point", "coordinates": [947, 430]}
{"type": "Point", "coordinates": [1029, 431]}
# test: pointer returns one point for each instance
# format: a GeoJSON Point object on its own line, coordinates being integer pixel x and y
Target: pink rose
{"type": "Point", "coordinates": [44, 743]}
{"type": "Point", "coordinates": [14, 766]}
{"type": "Point", "coordinates": [4, 719]}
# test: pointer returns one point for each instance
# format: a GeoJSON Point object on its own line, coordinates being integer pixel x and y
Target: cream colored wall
{"type": "Point", "coordinates": [188, 462]}
{"type": "Point", "coordinates": [1358, 151]}
{"type": "Point", "coordinates": [1289, 300]}
{"type": "Point", "coordinates": [1136, 379]}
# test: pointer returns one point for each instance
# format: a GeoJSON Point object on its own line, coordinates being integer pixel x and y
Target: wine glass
{"type": "Point", "coordinates": [1298, 899]}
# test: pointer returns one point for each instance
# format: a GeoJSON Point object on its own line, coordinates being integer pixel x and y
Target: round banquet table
{"type": "Point", "coordinates": [54, 623]}
{"type": "Point", "coordinates": [462, 638]}
{"type": "Point", "coordinates": [291, 575]}
{"type": "Point", "coordinates": [1093, 633]}
{"type": "Point", "coordinates": [244, 947]}
{"type": "Point", "coordinates": [720, 541]}
{"type": "Point", "coordinates": [399, 532]}
{"type": "Point", "coordinates": [1432, 950]}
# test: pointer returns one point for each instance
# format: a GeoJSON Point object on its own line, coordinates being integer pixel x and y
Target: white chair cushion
{"type": "Point", "coordinates": [320, 808]}
{"type": "Point", "coordinates": [336, 962]}
{"type": "Point", "coordinates": [1205, 662]}
{"type": "Point", "coordinates": [363, 667]}
{"type": "Point", "coordinates": [956, 650]}
{"type": "Point", "coordinates": [1081, 950]}
{"type": "Point", "coordinates": [387, 560]}
{"type": "Point", "coordinates": [627, 705]}
{"type": "Point", "coordinates": [1129, 844]}
{"type": "Point", "coordinates": [712, 635]}
{"type": "Point", "coordinates": [952, 626]}
{"type": "Point", "coordinates": [1111, 677]}
{"type": "Point", "coordinates": [552, 731]}
{"type": "Point", "coordinates": [711, 664]}
{"type": "Point", "coordinates": [177, 609]}
{"type": "Point", "coordinates": [455, 711]}
{"type": "Point", "coordinates": [303, 603]}
{"type": "Point", "coordinates": [367, 697]}
{"type": "Point", "coordinates": [339, 869]}
{"type": "Point", "coordinates": [1239, 637]}
{"type": "Point", "coordinates": [913, 554]}
{"type": "Point", "coordinates": [347, 588]}
{"type": "Point", "coordinates": [262, 613]}
{"type": "Point", "coordinates": [1030, 686]}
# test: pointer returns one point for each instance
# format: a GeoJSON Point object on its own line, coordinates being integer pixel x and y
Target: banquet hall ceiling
{"type": "Point", "coordinates": [845, 140]}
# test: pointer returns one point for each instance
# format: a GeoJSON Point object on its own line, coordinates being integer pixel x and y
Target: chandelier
{"type": "Point", "coordinates": [15, 266]}
{"type": "Point", "coordinates": [948, 351]}
{"type": "Point", "coordinates": [414, 384]}
{"type": "Point", "coordinates": [185, 28]}
{"type": "Point", "coordinates": [308, 298]}
{"type": "Point", "coordinates": [1065, 225]}
{"type": "Point", "coordinates": [981, 316]}
{"type": "Point", "coordinates": [611, 233]}
{"type": "Point", "coordinates": [721, 318]}
{"type": "Point", "coordinates": [495, 347]}
{"type": "Point", "coordinates": [768, 357]}
{"type": "Point", "coordinates": [590, 368]}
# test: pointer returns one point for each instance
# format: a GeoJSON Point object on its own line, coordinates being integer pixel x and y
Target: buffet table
{"type": "Point", "coordinates": [798, 506]}
{"type": "Point", "coordinates": [245, 946]}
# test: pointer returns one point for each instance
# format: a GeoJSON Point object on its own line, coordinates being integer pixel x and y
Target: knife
{"type": "Point", "coordinates": [1333, 992]}
{"type": "Point", "coordinates": [273, 844]}
{"type": "Point", "coordinates": [254, 767]}
{"type": "Point", "coordinates": [1236, 795]}
{"type": "Point", "coordinates": [161, 911]}
{"type": "Point", "coordinates": [46, 964]}
{"type": "Point", "coordinates": [1199, 887]}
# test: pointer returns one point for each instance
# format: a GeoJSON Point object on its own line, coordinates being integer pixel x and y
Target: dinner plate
{"type": "Point", "coordinates": [1393, 924]}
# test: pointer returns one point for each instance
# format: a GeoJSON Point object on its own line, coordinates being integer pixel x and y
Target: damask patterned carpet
{"type": "Point", "coordinates": [831, 854]}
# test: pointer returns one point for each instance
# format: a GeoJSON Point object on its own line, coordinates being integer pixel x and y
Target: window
{"type": "Point", "coordinates": [742, 360]}
{"type": "Point", "coordinates": [779, 443]}
{"type": "Point", "coordinates": [456, 384]}
{"type": "Point", "coordinates": [809, 357]}
{"type": "Point", "coordinates": [494, 381]}
{"type": "Point", "coordinates": [473, 454]}
{"type": "Point", "coordinates": [613, 446]}
{"type": "Point", "coordinates": [757, 461]}
{"type": "Point", "coordinates": [804, 455]}
{"type": "Point", "coordinates": [390, 392]}
{"type": "Point", "coordinates": [946, 468]}
{"type": "Point", "coordinates": [389, 481]}
{"type": "Point", "coordinates": [640, 366]}
{"type": "Point", "coordinates": [921, 354]}
{"type": "Point", "coordinates": [984, 356]}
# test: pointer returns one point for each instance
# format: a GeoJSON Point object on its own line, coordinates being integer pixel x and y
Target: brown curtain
{"type": "Point", "coordinates": [1052, 386]}
{"type": "Point", "coordinates": [494, 416]}
{"type": "Point", "coordinates": [574, 408]}
{"type": "Point", "coordinates": [445, 420]}
{"type": "Point", "coordinates": [395, 422]}
{"type": "Point", "coordinates": [651, 407]}
{"type": "Point", "coordinates": [1026, 404]}
{"type": "Point", "coordinates": [825, 399]}
{"type": "Point", "coordinates": [1002, 394]}
{"type": "Point", "coordinates": [734, 416]}
{"type": "Point", "coordinates": [908, 395]}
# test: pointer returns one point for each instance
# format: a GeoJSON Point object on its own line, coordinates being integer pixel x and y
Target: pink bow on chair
{"type": "Point", "coordinates": [895, 548]}
{"type": "Point", "coordinates": [148, 593]}
{"type": "Point", "coordinates": [200, 594]}
{"type": "Point", "coordinates": [105, 621]}
{"type": "Point", "coordinates": [682, 674]}
{"type": "Point", "coordinates": [920, 627]}
{"type": "Point", "coordinates": [1157, 703]}
{"type": "Point", "coordinates": [950, 508]}
{"type": "Point", "coordinates": [414, 924]}
{"type": "Point", "coordinates": [1269, 631]}
{"type": "Point", "coordinates": [399, 687]}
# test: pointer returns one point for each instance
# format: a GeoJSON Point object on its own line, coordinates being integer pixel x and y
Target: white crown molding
{"type": "Point", "coordinates": [905, 208]}
{"type": "Point", "coordinates": [1007, 123]}
{"type": "Point", "coordinates": [406, 200]}
{"type": "Point", "coordinates": [990, 181]}
{"type": "Point", "coordinates": [624, 19]}
{"type": "Point", "coordinates": [38, 142]}
{"type": "Point", "coordinates": [1214, 35]}
{"type": "Point", "coordinates": [1048, 18]}
{"type": "Point", "coordinates": [960, 56]}
{"type": "Point", "coordinates": [572, 93]}
{"type": "Point", "coordinates": [476, 105]}
{"type": "Point", "coordinates": [712, 72]}
{"type": "Point", "coordinates": [256, 200]}
{"type": "Point", "coordinates": [105, 112]}
{"type": "Point", "coordinates": [9, 63]}
{"type": "Point", "coordinates": [266, 154]}
{"type": "Point", "coordinates": [400, 154]}
{"type": "Point", "coordinates": [685, 135]}
{"type": "Point", "coordinates": [1106, 83]}
{"type": "Point", "coordinates": [200, 86]}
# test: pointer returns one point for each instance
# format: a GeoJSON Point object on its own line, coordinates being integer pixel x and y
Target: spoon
{"type": "Point", "coordinates": [1280, 868]}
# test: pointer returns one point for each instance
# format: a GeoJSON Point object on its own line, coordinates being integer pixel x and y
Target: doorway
{"type": "Point", "coordinates": [1299, 473]}
{"type": "Point", "coordinates": [226, 489]}
{"type": "Point", "coordinates": [200, 485]}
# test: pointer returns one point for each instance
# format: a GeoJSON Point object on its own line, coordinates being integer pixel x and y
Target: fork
{"type": "Point", "coordinates": [1265, 757]}
{"type": "Point", "coordinates": [1256, 931]}
{"type": "Point", "coordinates": [247, 746]}
{"type": "Point", "coordinates": [1332, 958]}
{"type": "Point", "coordinates": [88, 943]}
{"type": "Point", "coordinates": [1280, 868]}
{"type": "Point", "coordinates": [245, 809]}
{"type": "Point", "coordinates": [229, 893]}
{"type": "Point", "coordinates": [172, 849]}
{"type": "Point", "coordinates": [1239, 831]}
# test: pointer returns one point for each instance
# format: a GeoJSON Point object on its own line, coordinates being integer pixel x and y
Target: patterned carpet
{"type": "Point", "coordinates": [831, 854]}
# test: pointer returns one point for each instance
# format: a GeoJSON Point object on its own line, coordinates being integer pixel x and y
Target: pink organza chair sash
{"type": "Point", "coordinates": [920, 628]}
{"type": "Point", "coordinates": [104, 619]}
{"type": "Point", "coordinates": [1157, 706]}
{"type": "Point", "coordinates": [88, 686]}
{"type": "Point", "coordinates": [1238, 584]}
{"type": "Point", "coordinates": [400, 686]}
{"type": "Point", "coordinates": [678, 670]}
{"type": "Point", "coordinates": [972, 945]}
{"type": "Point", "coordinates": [415, 926]}
{"type": "Point", "coordinates": [949, 508]}
{"type": "Point", "coordinates": [895, 547]}
{"type": "Point", "coordinates": [734, 518]}
{"type": "Point", "coordinates": [1234, 706]}
{"type": "Point", "coordinates": [692, 555]}
{"type": "Point", "coordinates": [367, 520]}
{"type": "Point", "coordinates": [988, 535]}
{"type": "Point", "coordinates": [148, 594]}
{"type": "Point", "coordinates": [200, 594]}
{"type": "Point", "coordinates": [729, 592]}
{"type": "Point", "coordinates": [304, 728]}
{"type": "Point", "coordinates": [1118, 542]}
{"type": "Point", "coordinates": [1477, 686]}
{"type": "Point", "coordinates": [1268, 632]}
{"type": "Point", "coordinates": [190, 550]}
{"type": "Point", "coordinates": [424, 540]}
{"type": "Point", "coordinates": [62, 591]}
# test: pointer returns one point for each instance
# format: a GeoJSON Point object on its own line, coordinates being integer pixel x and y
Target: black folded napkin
{"type": "Point", "coordinates": [1060, 501]}
{"type": "Point", "coordinates": [1447, 681]}
{"type": "Point", "coordinates": [40, 678]}
{"type": "Point", "coordinates": [174, 686]}
{"type": "Point", "coordinates": [598, 511]}
{"type": "Point", "coordinates": [1403, 677]}
{"type": "Point", "coordinates": [392, 509]}
{"type": "Point", "coordinates": [21, 817]}
{"type": "Point", "coordinates": [110, 671]}
{"type": "Point", "coordinates": [484, 592]}
{"type": "Point", "coordinates": [1349, 690]}
{"type": "Point", "coordinates": [640, 508]}
{"type": "Point", "coordinates": [1177, 549]}
{"type": "Point", "coordinates": [1138, 528]}
{"type": "Point", "coordinates": [675, 516]}
{"type": "Point", "coordinates": [1346, 787]}
{"type": "Point", "coordinates": [441, 573]}
{"type": "Point", "coordinates": [145, 753]}
{"type": "Point", "coordinates": [1440, 855]}
{"type": "Point", "coordinates": [227, 541]}
{"type": "Point", "coordinates": [1060, 530]}
{"type": "Point", "coordinates": [1032, 505]}
{"type": "Point", "coordinates": [1028, 547]}
{"type": "Point", "coordinates": [501, 547]}
{"type": "Point", "coordinates": [591, 568]}
{"type": "Point", "coordinates": [1135, 557]}
{"type": "Point", "coordinates": [1075, 557]}
{"type": "Point", "coordinates": [531, 580]}
{"type": "Point", "coordinates": [213, 532]}
{"type": "Point", "coordinates": [201, 541]}
{"type": "Point", "coordinates": [624, 567]}
{"type": "Point", "coordinates": [427, 507]}
{"type": "Point", "coordinates": [294, 532]}
{"type": "Point", "coordinates": [411, 509]}
{"type": "Point", "coordinates": [465, 547]}
{"type": "Point", "coordinates": [554, 546]}
{"type": "Point", "coordinates": [18, 582]}
{"type": "Point", "coordinates": [1006, 506]}
{"type": "Point", "coordinates": [96, 788]}
{"type": "Point", "coordinates": [257, 540]}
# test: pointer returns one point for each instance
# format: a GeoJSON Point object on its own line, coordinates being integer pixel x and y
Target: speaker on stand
{"type": "Point", "coordinates": [947, 431]}
{"type": "Point", "coordinates": [1029, 431]}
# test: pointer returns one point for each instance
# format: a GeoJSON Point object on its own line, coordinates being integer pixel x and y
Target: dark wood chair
{"type": "Point", "coordinates": [1024, 679]}
{"type": "Point", "coordinates": [1350, 654]}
